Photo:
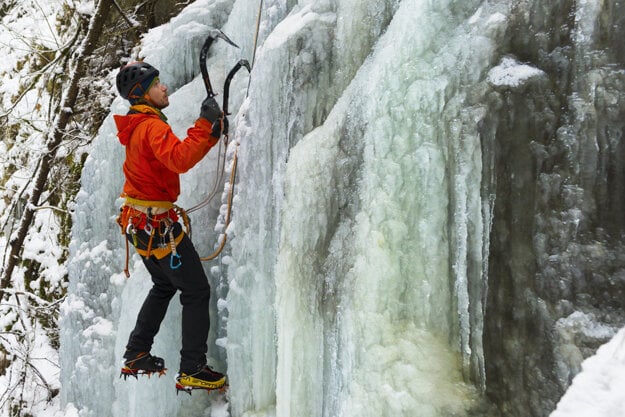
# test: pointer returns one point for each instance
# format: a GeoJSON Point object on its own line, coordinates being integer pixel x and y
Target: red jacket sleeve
{"type": "Point", "coordinates": [180, 156]}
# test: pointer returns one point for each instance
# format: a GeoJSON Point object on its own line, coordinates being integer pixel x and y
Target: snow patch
{"type": "Point", "coordinates": [512, 73]}
{"type": "Point", "coordinates": [598, 390]}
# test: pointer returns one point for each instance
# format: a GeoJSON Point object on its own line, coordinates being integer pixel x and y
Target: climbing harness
{"type": "Point", "coordinates": [144, 221]}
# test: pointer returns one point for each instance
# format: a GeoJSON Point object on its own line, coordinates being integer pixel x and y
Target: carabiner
{"type": "Point", "coordinates": [173, 265]}
{"type": "Point", "coordinates": [130, 230]}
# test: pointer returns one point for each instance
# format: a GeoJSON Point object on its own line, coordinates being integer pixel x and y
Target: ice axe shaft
{"type": "Point", "coordinates": [231, 74]}
{"type": "Point", "coordinates": [213, 35]}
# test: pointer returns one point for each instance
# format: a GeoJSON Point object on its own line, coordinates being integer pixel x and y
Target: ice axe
{"type": "Point", "coordinates": [233, 71]}
{"type": "Point", "coordinates": [213, 35]}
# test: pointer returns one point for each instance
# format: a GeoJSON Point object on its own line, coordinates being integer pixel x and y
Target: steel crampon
{"type": "Point", "coordinates": [128, 372]}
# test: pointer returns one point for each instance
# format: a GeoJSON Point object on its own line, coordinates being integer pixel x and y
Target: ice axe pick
{"type": "Point", "coordinates": [213, 35]}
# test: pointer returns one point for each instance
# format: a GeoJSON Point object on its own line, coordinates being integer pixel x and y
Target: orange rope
{"type": "Point", "coordinates": [229, 211]}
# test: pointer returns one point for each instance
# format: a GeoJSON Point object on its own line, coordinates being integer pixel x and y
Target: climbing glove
{"type": "Point", "coordinates": [210, 111]}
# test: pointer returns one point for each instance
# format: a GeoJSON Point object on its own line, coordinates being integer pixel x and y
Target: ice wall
{"type": "Point", "coordinates": [427, 194]}
{"type": "Point", "coordinates": [355, 263]}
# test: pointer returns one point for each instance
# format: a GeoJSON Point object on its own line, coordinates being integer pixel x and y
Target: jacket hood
{"type": "Point", "coordinates": [127, 124]}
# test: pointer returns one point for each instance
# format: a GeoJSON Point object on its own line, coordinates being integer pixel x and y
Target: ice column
{"type": "Point", "coordinates": [381, 250]}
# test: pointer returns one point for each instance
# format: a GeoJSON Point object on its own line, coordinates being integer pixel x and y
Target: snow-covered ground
{"type": "Point", "coordinates": [598, 391]}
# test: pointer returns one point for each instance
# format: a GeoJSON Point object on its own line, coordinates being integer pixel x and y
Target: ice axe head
{"type": "Point", "coordinates": [213, 35]}
{"type": "Point", "coordinates": [216, 33]}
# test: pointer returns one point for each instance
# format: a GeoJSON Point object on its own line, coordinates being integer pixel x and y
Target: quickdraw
{"type": "Point", "coordinates": [174, 259]}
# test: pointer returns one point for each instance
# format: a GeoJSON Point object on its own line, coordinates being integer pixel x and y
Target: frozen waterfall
{"type": "Point", "coordinates": [375, 139]}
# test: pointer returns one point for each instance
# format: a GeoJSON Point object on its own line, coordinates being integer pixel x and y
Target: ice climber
{"type": "Point", "coordinates": [149, 219]}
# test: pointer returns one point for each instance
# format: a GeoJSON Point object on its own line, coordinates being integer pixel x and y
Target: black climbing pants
{"type": "Point", "coordinates": [192, 283]}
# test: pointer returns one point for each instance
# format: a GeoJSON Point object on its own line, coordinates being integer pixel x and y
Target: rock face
{"type": "Point", "coordinates": [555, 286]}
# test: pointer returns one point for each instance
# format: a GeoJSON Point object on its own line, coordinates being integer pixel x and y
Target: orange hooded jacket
{"type": "Point", "coordinates": [155, 156]}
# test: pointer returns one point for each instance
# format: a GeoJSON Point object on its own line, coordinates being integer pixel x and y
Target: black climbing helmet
{"type": "Point", "coordinates": [132, 74]}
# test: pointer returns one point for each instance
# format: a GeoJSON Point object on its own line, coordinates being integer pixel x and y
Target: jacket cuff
{"type": "Point", "coordinates": [204, 124]}
{"type": "Point", "coordinates": [207, 126]}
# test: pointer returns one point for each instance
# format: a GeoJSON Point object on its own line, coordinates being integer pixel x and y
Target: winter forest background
{"type": "Point", "coordinates": [427, 218]}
